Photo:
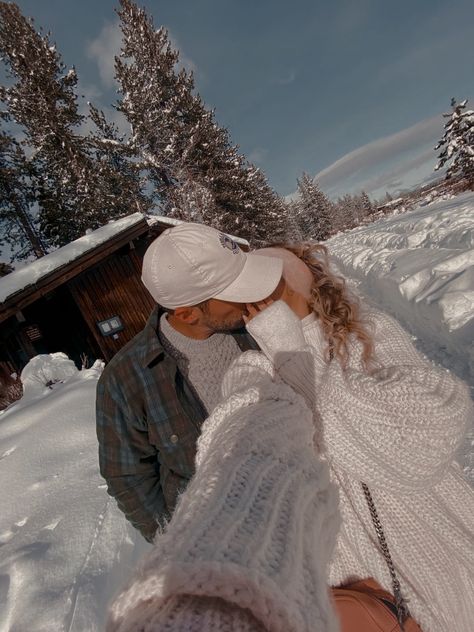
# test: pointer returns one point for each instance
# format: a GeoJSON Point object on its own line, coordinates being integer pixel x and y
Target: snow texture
{"type": "Point", "coordinates": [44, 371]}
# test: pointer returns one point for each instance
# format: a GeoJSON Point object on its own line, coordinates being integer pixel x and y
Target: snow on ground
{"type": "Point", "coordinates": [64, 546]}
{"type": "Point", "coordinates": [419, 266]}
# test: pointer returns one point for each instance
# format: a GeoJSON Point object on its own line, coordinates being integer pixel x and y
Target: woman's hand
{"type": "Point", "coordinates": [253, 309]}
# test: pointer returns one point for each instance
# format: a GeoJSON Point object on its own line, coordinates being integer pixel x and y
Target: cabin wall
{"type": "Point", "coordinates": [113, 288]}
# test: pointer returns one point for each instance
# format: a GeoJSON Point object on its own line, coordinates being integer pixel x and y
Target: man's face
{"type": "Point", "coordinates": [220, 316]}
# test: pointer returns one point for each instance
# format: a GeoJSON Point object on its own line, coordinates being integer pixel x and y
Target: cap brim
{"type": "Point", "coordinates": [258, 279]}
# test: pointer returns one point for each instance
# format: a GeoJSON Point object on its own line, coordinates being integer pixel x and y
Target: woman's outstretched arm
{"type": "Point", "coordinates": [252, 535]}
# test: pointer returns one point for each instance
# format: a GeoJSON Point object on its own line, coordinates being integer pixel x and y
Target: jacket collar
{"type": "Point", "coordinates": [153, 346]}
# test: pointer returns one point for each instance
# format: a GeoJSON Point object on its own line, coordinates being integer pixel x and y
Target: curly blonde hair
{"type": "Point", "coordinates": [336, 309]}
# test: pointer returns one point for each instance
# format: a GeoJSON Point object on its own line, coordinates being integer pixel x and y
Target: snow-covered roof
{"type": "Point", "coordinates": [398, 200]}
{"type": "Point", "coordinates": [32, 272]}
{"type": "Point", "coordinates": [161, 219]}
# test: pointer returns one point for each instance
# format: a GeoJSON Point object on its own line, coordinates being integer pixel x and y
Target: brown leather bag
{"type": "Point", "coordinates": [364, 606]}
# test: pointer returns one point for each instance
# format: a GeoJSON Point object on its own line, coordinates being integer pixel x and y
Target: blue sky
{"type": "Point", "coordinates": [350, 91]}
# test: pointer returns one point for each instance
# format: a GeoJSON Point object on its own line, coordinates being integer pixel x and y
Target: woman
{"type": "Point", "coordinates": [385, 417]}
{"type": "Point", "coordinates": [248, 545]}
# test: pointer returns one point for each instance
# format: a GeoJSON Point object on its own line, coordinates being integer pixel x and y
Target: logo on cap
{"type": "Point", "coordinates": [229, 243]}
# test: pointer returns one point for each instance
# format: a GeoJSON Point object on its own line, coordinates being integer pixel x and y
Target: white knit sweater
{"type": "Point", "coordinates": [203, 362]}
{"type": "Point", "coordinates": [252, 535]}
{"type": "Point", "coordinates": [397, 430]}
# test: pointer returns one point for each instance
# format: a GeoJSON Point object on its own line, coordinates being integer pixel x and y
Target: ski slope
{"type": "Point", "coordinates": [64, 546]}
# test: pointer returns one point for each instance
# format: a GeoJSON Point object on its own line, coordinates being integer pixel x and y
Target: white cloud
{"type": "Point", "coordinates": [257, 155]}
{"type": "Point", "coordinates": [103, 50]}
{"type": "Point", "coordinates": [107, 44]}
{"type": "Point", "coordinates": [406, 174]}
{"type": "Point", "coordinates": [395, 161]}
{"type": "Point", "coordinates": [286, 79]}
{"type": "Point", "coordinates": [184, 61]}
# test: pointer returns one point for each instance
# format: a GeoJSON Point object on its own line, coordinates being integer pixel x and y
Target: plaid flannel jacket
{"type": "Point", "coordinates": [148, 421]}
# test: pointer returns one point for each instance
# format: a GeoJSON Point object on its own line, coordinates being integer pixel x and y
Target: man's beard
{"type": "Point", "coordinates": [224, 326]}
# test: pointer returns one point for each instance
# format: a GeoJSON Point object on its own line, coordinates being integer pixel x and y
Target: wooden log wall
{"type": "Point", "coordinates": [113, 289]}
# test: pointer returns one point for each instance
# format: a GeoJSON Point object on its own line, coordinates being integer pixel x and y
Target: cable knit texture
{"type": "Point", "coordinates": [188, 613]}
{"type": "Point", "coordinates": [397, 429]}
{"type": "Point", "coordinates": [204, 362]}
{"type": "Point", "coordinates": [254, 531]}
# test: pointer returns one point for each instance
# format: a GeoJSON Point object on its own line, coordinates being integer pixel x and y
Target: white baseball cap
{"type": "Point", "coordinates": [191, 263]}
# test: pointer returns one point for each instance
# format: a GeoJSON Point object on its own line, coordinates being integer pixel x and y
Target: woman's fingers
{"type": "Point", "coordinates": [255, 308]}
{"type": "Point", "coordinates": [261, 305]}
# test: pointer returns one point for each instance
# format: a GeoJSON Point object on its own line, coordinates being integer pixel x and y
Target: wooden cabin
{"type": "Point", "coordinates": [85, 299]}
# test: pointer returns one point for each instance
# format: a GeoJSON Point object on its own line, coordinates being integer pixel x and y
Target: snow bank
{"type": "Point", "coordinates": [65, 548]}
{"type": "Point", "coordinates": [420, 267]}
{"type": "Point", "coordinates": [44, 371]}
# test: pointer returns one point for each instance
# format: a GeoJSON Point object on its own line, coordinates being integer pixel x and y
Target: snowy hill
{"type": "Point", "coordinates": [64, 546]}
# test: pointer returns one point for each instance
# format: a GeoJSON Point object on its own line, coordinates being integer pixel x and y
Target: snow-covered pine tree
{"type": "Point", "coordinates": [361, 208]}
{"type": "Point", "coordinates": [314, 209]}
{"type": "Point", "coordinates": [343, 214]}
{"type": "Point", "coordinates": [180, 145]}
{"type": "Point", "coordinates": [295, 232]}
{"type": "Point", "coordinates": [458, 142]}
{"type": "Point", "coordinates": [121, 187]}
{"type": "Point", "coordinates": [192, 202]}
{"type": "Point", "coordinates": [5, 268]}
{"type": "Point", "coordinates": [366, 203]}
{"type": "Point", "coordinates": [42, 101]}
{"type": "Point", "coordinates": [303, 208]}
{"type": "Point", "coordinates": [18, 226]}
{"type": "Point", "coordinates": [75, 189]}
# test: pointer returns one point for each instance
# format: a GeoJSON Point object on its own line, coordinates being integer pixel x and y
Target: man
{"type": "Point", "coordinates": [155, 393]}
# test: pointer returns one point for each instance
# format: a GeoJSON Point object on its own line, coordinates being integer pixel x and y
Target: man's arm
{"type": "Point", "coordinates": [128, 461]}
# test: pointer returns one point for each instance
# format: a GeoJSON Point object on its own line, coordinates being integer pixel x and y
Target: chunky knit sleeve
{"type": "Point", "coordinates": [253, 533]}
{"type": "Point", "coordinates": [190, 613]}
{"type": "Point", "coordinates": [400, 425]}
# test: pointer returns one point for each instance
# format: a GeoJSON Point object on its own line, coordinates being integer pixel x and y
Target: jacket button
{"type": "Point", "coordinates": [174, 438]}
